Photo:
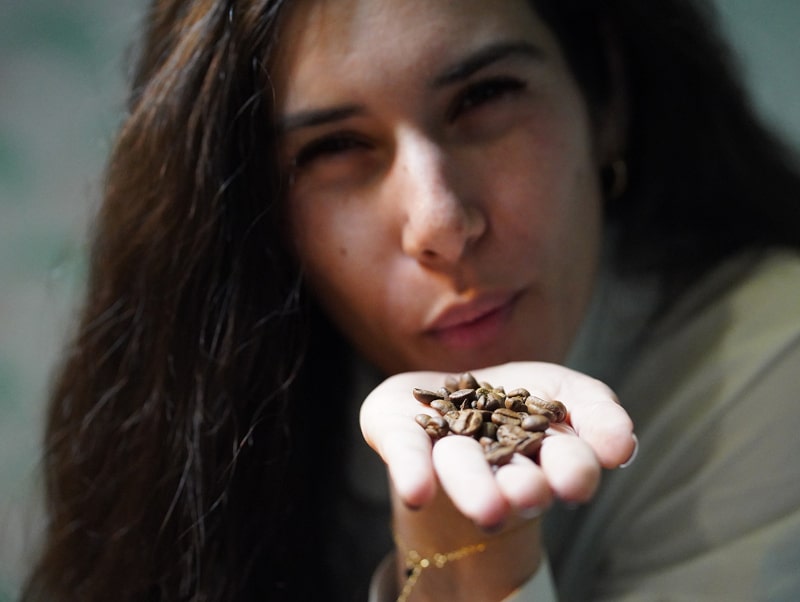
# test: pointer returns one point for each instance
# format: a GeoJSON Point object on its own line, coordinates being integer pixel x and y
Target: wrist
{"type": "Point", "coordinates": [443, 555]}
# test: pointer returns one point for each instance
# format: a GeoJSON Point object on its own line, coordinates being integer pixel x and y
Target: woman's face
{"type": "Point", "coordinates": [443, 178]}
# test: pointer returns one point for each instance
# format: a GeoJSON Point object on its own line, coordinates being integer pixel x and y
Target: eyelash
{"type": "Point", "coordinates": [485, 91]}
{"type": "Point", "coordinates": [471, 98]}
{"type": "Point", "coordinates": [327, 145]}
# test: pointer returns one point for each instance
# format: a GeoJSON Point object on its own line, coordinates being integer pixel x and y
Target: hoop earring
{"type": "Point", "coordinates": [614, 177]}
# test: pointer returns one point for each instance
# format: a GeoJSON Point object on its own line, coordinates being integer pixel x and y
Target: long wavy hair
{"type": "Point", "coordinates": [183, 457]}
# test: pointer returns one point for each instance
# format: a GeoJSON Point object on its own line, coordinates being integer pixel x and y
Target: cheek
{"type": "Point", "coordinates": [549, 192]}
{"type": "Point", "coordinates": [553, 209]}
{"type": "Point", "coordinates": [341, 253]}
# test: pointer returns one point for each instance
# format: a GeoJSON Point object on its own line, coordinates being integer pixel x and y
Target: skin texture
{"type": "Point", "coordinates": [444, 201]}
{"type": "Point", "coordinates": [445, 496]}
{"type": "Point", "coordinates": [446, 221]}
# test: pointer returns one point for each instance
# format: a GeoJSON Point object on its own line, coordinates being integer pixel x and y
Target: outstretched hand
{"type": "Point", "coordinates": [596, 434]}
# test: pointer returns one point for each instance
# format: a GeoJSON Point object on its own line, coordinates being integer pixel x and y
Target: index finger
{"type": "Point", "coordinates": [388, 427]}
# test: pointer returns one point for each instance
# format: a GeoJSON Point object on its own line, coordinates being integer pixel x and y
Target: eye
{"type": "Point", "coordinates": [484, 92]}
{"type": "Point", "coordinates": [328, 146]}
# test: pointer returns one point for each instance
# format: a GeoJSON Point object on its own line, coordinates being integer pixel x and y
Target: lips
{"type": "Point", "coordinates": [474, 323]}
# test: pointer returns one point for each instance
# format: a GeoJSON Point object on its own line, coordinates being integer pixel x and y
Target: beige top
{"type": "Point", "coordinates": [710, 509]}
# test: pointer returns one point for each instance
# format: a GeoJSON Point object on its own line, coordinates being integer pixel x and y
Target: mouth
{"type": "Point", "coordinates": [473, 324]}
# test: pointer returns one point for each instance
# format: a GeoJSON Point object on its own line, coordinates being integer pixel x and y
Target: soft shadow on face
{"type": "Point", "coordinates": [444, 193]}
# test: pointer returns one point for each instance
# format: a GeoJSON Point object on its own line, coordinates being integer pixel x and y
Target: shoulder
{"type": "Point", "coordinates": [714, 393]}
{"type": "Point", "coordinates": [715, 492]}
{"type": "Point", "coordinates": [732, 325]}
{"type": "Point", "coordinates": [750, 291]}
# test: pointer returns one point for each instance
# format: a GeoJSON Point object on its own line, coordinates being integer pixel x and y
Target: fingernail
{"type": "Point", "coordinates": [634, 453]}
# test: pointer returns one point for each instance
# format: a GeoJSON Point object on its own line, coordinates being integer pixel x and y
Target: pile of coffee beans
{"type": "Point", "coordinates": [503, 422]}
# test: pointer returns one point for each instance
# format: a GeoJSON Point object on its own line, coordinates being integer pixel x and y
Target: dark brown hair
{"type": "Point", "coordinates": [179, 463]}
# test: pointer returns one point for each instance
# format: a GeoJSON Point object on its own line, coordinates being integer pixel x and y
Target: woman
{"type": "Point", "coordinates": [308, 193]}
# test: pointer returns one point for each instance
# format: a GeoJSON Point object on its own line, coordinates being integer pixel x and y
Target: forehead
{"type": "Point", "coordinates": [335, 42]}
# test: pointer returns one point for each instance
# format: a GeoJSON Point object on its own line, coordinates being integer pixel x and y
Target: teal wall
{"type": "Point", "coordinates": [61, 81]}
{"type": "Point", "coordinates": [767, 33]}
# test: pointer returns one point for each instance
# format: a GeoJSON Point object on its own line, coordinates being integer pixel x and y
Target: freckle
{"type": "Point", "coordinates": [342, 251]}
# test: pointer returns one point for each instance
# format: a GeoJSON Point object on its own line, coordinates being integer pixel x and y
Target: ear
{"type": "Point", "coordinates": [614, 118]}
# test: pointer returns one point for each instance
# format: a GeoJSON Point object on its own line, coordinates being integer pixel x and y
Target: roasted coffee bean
{"type": "Point", "coordinates": [505, 416]}
{"type": "Point", "coordinates": [451, 383]}
{"type": "Point", "coordinates": [530, 444]}
{"type": "Point", "coordinates": [498, 454]}
{"type": "Point", "coordinates": [554, 409]}
{"type": "Point", "coordinates": [516, 403]}
{"type": "Point", "coordinates": [452, 416]}
{"type": "Point", "coordinates": [492, 403]}
{"type": "Point", "coordinates": [466, 381]}
{"type": "Point", "coordinates": [463, 396]}
{"type": "Point", "coordinates": [535, 422]}
{"type": "Point", "coordinates": [493, 396]}
{"type": "Point", "coordinates": [425, 396]}
{"type": "Point", "coordinates": [510, 434]}
{"type": "Point", "coordinates": [435, 426]}
{"type": "Point", "coordinates": [489, 429]}
{"type": "Point", "coordinates": [422, 419]}
{"type": "Point", "coordinates": [535, 410]}
{"type": "Point", "coordinates": [443, 406]}
{"type": "Point", "coordinates": [469, 422]}
{"type": "Point", "coordinates": [504, 424]}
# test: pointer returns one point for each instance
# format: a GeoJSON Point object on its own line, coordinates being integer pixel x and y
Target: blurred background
{"type": "Point", "coordinates": [63, 66]}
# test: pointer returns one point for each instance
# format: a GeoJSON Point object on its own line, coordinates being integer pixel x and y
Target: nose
{"type": "Point", "coordinates": [442, 218]}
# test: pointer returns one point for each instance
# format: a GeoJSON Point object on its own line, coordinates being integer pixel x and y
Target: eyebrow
{"type": "Point", "coordinates": [315, 117]}
{"type": "Point", "coordinates": [482, 58]}
{"type": "Point", "coordinates": [455, 73]}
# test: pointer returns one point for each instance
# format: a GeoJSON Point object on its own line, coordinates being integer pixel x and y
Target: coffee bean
{"type": "Point", "coordinates": [519, 393]}
{"type": "Point", "coordinates": [425, 396]}
{"type": "Point", "coordinates": [493, 402]}
{"type": "Point", "coordinates": [498, 454]}
{"type": "Point", "coordinates": [510, 434]}
{"type": "Point", "coordinates": [443, 406]}
{"type": "Point", "coordinates": [467, 381]}
{"type": "Point", "coordinates": [422, 420]}
{"type": "Point", "coordinates": [503, 423]}
{"type": "Point", "coordinates": [554, 410]}
{"type": "Point", "coordinates": [529, 445]}
{"type": "Point", "coordinates": [435, 426]}
{"type": "Point", "coordinates": [489, 429]}
{"type": "Point", "coordinates": [469, 422]}
{"type": "Point", "coordinates": [451, 383]}
{"type": "Point", "coordinates": [535, 422]}
{"type": "Point", "coordinates": [505, 416]}
{"type": "Point", "coordinates": [516, 403]}
{"type": "Point", "coordinates": [463, 398]}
